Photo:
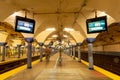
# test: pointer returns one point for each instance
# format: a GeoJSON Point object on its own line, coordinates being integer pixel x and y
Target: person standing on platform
{"type": "Point", "coordinates": [47, 53]}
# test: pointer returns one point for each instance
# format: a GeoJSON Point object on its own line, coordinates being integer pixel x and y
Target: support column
{"type": "Point", "coordinates": [69, 51]}
{"type": "Point", "coordinates": [90, 53]}
{"type": "Point", "coordinates": [33, 50]}
{"type": "Point", "coordinates": [41, 52]}
{"type": "Point", "coordinates": [7, 52]}
{"type": "Point", "coordinates": [3, 50]}
{"type": "Point", "coordinates": [65, 50]}
{"type": "Point", "coordinates": [79, 54]}
{"type": "Point", "coordinates": [29, 52]}
{"type": "Point", "coordinates": [60, 55]}
{"type": "Point", "coordinates": [73, 51]}
{"type": "Point", "coordinates": [18, 46]}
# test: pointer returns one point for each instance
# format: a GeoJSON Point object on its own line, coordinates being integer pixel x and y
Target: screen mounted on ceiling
{"type": "Point", "coordinates": [25, 25]}
{"type": "Point", "coordinates": [96, 25]}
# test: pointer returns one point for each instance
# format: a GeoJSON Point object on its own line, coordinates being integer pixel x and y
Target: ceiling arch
{"type": "Point", "coordinates": [108, 6]}
{"type": "Point", "coordinates": [7, 34]}
{"type": "Point", "coordinates": [42, 36]}
{"type": "Point", "coordinates": [69, 13]}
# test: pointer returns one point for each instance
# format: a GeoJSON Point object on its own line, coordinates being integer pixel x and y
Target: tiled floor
{"type": "Point", "coordinates": [69, 69]}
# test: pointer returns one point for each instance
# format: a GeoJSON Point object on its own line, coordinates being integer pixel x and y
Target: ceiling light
{"type": "Point", "coordinates": [62, 42]}
{"type": "Point", "coordinates": [55, 36]}
{"type": "Point", "coordinates": [68, 29]}
{"type": "Point", "coordinates": [65, 36]}
{"type": "Point", "coordinates": [50, 29]}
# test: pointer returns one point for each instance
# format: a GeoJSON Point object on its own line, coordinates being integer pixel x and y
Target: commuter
{"type": "Point", "coordinates": [47, 51]}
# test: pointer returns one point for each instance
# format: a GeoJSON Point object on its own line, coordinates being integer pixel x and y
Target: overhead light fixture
{"type": "Point", "coordinates": [68, 29]}
{"type": "Point", "coordinates": [50, 29]}
{"type": "Point", "coordinates": [63, 42]}
{"type": "Point", "coordinates": [54, 36]}
{"type": "Point", "coordinates": [65, 36]}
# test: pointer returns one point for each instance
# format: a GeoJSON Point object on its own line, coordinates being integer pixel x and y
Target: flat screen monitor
{"type": "Point", "coordinates": [24, 25]}
{"type": "Point", "coordinates": [96, 25]}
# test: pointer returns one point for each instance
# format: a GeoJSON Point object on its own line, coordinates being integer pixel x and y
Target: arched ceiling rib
{"type": "Point", "coordinates": [7, 34]}
{"type": "Point", "coordinates": [111, 7]}
{"type": "Point", "coordinates": [68, 13]}
{"type": "Point", "coordinates": [62, 37]}
{"type": "Point", "coordinates": [7, 8]}
{"type": "Point", "coordinates": [42, 36]}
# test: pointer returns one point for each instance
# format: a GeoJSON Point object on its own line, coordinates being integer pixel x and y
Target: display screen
{"type": "Point", "coordinates": [24, 25]}
{"type": "Point", "coordinates": [96, 25]}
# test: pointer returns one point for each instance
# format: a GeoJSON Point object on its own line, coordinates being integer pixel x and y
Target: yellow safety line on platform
{"type": "Point", "coordinates": [103, 71]}
{"type": "Point", "coordinates": [16, 70]}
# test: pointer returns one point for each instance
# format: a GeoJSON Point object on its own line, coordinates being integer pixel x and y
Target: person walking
{"type": "Point", "coordinates": [47, 53]}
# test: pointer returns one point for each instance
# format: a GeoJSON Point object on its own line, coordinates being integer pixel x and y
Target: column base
{"type": "Point", "coordinates": [41, 60]}
{"type": "Point", "coordinates": [29, 67]}
{"type": "Point", "coordinates": [91, 68]}
{"type": "Point", "coordinates": [79, 61]}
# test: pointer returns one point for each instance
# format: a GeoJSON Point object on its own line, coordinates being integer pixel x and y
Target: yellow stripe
{"type": "Point", "coordinates": [11, 72]}
{"type": "Point", "coordinates": [16, 70]}
{"type": "Point", "coordinates": [103, 71]}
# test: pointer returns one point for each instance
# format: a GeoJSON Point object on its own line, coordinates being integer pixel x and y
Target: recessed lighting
{"type": "Point", "coordinates": [68, 29]}
{"type": "Point", "coordinates": [50, 29]}
{"type": "Point", "coordinates": [65, 36]}
{"type": "Point", "coordinates": [55, 36]}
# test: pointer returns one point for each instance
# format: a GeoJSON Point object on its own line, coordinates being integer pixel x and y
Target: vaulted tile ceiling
{"type": "Point", "coordinates": [60, 14]}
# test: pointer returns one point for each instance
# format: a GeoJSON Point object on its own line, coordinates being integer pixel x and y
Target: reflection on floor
{"type": "Point", "coordinates": [69, 69]}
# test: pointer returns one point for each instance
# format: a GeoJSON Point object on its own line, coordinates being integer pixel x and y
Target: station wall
{"type": "Point", "coordinates": [110, 48]}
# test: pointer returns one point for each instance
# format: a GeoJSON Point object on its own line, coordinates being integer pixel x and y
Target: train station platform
{"type": "Point", "coordinates": [68, 69]}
